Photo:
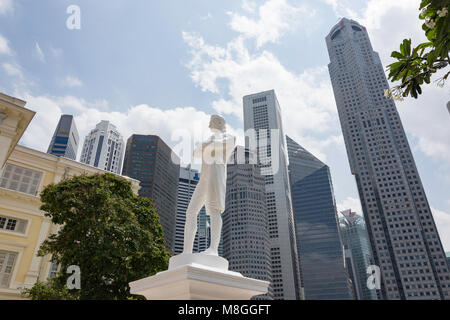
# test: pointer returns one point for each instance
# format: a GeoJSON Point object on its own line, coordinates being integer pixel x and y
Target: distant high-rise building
{"type": "Point", "coordinates": [356, 243]}
{"type": "Point", "coordinates": [103, 148]}
{"type": "Point", "coordinates": [65, 139]}
{"type": "Point", "coordinates": [149, 160]}
{"type": "Point", "coordinates": [350, 266]}
{"type": "Point", "coordinates": [402, 232]}
{"type": "Point", "coordinates": [186, 186]}
{"type": "Point", "coordinates": [262, 114]}
{"type": "Point", "coordinates": [448, 258]}
{"type": "Point", "coordinates": [246, 240]}
{"type": "Point", "coordinates": [320, 249]}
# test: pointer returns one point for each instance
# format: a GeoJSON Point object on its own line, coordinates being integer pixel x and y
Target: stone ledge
{"type": "Point", "coordinates": [198, 282]}
{"type": "Point", "coordinates": [198, 259]}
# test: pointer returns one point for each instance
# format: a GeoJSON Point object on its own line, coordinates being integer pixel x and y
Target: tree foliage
{"type": "Point", "coordinates": [114, 236]}
{"type": "Point", "coordinates": [51, 290]}
{"type": "Point", "coordinates": [416, 65]}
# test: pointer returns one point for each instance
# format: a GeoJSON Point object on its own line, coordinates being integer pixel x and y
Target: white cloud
{"type": "Point", "coordinates": [5, 6]}
{"type": "Point", "coordinates": [140, 119]}
{"type": "Point", "coordinates": [350, 203]}
{"type": "Point", "coordinates": [442, 220]}
{"type": "Point", "coordinates": [377, 9]}
{"type": "Point", "coordinates": [207, 16]}
{"type": "Point", "coordinates": [275, 17]}
{"type": "Point", "coordinates": [427, 119]}
{"type": "Point", "coordinates": [71, 81]}
{"type": "Point", "coordinates": [4, 46]}
{"type": "Point", "coordinates": [371, 13]}
{"type": "Point", "coordinates": [13, 70]}
{"type": "Point", "coordinates": [306, 99]}
{"type": "Point", "coordinates": [39, 54]}
{"type": "Point", "coordinates": [56, 52]}
{"type": "Point", "coordinates": [249, 6]}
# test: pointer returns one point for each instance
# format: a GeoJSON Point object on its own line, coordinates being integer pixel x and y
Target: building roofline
{"type": "Point", "coordinates": [158, 139]}
{"type": "Point", "coordinates": [343, 21]}
{"type": "Point", "coordinates": [15, 101]}
{"type": "Point", "coordinates": [15, 109]}
{"type": "Point", "coordinates": [309, 153]}
{"type": "Point", "coordinates": [63, 160]}
{"type": "Point", "coordinates": [258, 93]}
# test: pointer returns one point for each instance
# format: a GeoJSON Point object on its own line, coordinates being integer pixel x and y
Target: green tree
{"type": "Point", "coordinates": [51, 290]}
{"type": "Point", "coordinates": [415, 66]}
{"type": "Point", "coordinates": [114, 236]}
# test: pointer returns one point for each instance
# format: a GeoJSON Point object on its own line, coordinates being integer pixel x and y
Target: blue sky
{"type": "Point", "coordinates": [152, 67]}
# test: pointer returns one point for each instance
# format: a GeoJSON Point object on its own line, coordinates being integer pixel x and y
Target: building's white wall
{"type": "Point", "coordinates": [109, 131]}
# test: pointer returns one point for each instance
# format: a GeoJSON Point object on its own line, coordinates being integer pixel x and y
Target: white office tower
{"type": "Point", "coordinates": [103, 148]}
{"type": "Point", "coordinates": [405, 242]}
{"type": "Point", "coordinates": [186, 186]}
{"type": "Point", "coordinates": [262, 114]}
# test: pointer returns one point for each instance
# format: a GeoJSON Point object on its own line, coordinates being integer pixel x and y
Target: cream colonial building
{"type": "Point", "coordinates": [24, 172]}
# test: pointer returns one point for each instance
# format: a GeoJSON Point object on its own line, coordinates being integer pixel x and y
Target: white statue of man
{"type": "Point", "coordinates": [210, 190]}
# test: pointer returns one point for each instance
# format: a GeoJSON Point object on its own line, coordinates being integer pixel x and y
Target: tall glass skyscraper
{"type": "Point", "coordinates": [405, 242]}
{"type": "Point", "coordinates": [246, 240]}
{"type": "Point", "coordinates": [320, 249]}
{"type": "Point", "coordinates": [262, 115]}
{"type": "Point", "coordinates": [356, 241]}
{"type": "Point", "coordinates": [65, 139]}
{"type": "Point", "coordinates": [150, 160]}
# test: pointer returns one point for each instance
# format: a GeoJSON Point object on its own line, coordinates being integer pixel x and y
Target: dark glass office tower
{"type": "Point", "coordinates": [405, 241]}
{"type": "Point", "coordinates": [320, 249]}
{"type": "Point", "coordinates": [149, 160]}
{"type": "Point", "coordinates": [65, 139]}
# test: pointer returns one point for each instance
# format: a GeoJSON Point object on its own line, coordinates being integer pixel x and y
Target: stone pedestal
{"type": "Point", "coordinates": [198, 276]}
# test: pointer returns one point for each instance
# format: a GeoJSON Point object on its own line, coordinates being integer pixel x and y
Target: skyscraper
{"type": "Point", "coordinates": [149, 160]}
{"type": "Point", "coordinates": [356, 241]}
{"type": "Point", "coordinates": [103, 148]}
{"type": "Point", "coordinates": [186, 186]}
{"type": "Point", "coordinates": [262, 115]}
{"type": "Point", "coordinates": [246, 240]}
{"type": "Point", "coordinates": [405, 242]}
{"type": "Point", "coordinates": [320, 249]}
{"type": "Point", "coordinates": [448, 258]}
{"type": "Point", "coordinates": [65, 139]}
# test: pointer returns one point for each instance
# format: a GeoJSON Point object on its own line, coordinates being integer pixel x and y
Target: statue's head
{"type": "Point", "coordinates": [217, 122]}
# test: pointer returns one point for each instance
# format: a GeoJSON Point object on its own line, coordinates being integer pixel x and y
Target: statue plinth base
{"type": "Point", "coordinates": [198, 276]}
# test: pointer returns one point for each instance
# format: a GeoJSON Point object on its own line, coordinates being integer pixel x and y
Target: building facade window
{"type": "Point", "coordinates": [54, 268]}
{"type": "Point", "coordinates": [7, 260]}
{"type": "Point", "coordinates": [20, 179]}
{"type": "Point", "coordinates": [12, 224]}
